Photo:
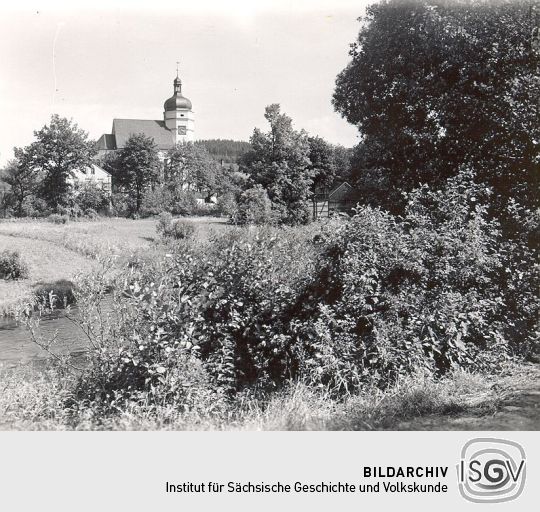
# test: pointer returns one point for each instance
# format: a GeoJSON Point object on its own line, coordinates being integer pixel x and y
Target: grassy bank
{"type": "Point", "coordinates": [57, 253]}
{"type": "Point", "coordinates": [36, 400]}
{"type": "Point", "coordinates": [103, 237]}
{"type": "Point", "coordinates": [49, 265]}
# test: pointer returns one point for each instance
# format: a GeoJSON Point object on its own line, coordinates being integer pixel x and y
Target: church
{"type": "Point", "coordinates": [177, 125]}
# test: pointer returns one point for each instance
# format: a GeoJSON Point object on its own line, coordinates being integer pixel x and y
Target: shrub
{"type": "Point", "coordinates": [227, 205]}
{"type": "Point", "coordinates": [184, 202]}
{"type": "Point", "coordinates": [34, 207]}
{"type": "Point", "coordinates": [254, 207]}
{"type": "Point", "coordinates": [156, 201]}
{"type": "Point", "coordinates": [164, 223]}
{"type": "Point", "coordinates": [58, 294]}
{"type": "Point", "coordinates": [11, 265]}
{"type": "Point", "coordinates": [91, 214]}
{"type": "Point", "coordinates": [89, 196]}
{"type": "Point", "coordinates": [122, 204]}
{"type": "Point", "coordinates": [179, 229]}
{"type": "Point", "coordinates": [57, 218]}
{"type": "Point", "coordinates": [342, 306]}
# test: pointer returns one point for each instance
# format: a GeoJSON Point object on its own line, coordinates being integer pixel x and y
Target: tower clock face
{"type": "Point", "coordinates": [181, 130]}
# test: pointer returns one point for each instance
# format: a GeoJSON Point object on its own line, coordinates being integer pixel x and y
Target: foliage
{"type": "Point", "coordinates": [56, 218]}
{"type": "Point", "coordinates": [348, 304]}
{"type": "Point", "coordinates": [190, 166]}
{"type": "Point", "coordinates": [12, 266]}
{"type": "Point", "coordinates": [322, 164]}
{"type": "Point", "coordinates": [23, 182]}
{"type": "Point", "coordinates": [122, 204]}
{"type": "Point", "coordinates": [164, 223]}
{"type": "Point", "coordinates": [225, 150]}
{"type": "Point", "coordinates": [60, 148]}
{"type": "Point", "coordinates": [135, 167]}
{"type": "Point", "coordinates": [176, 229]}
{"type": "Point", "coordinates": [253, 207]}
{"type": "Point", "coordinates": [90, 196]}
{"type": "Point", "coordinates": [227, 205]}
{"type": "Point", "coordinates": [184, 202]}
{"type": "Point", "coordinates": [279, 162]}
{"type": "Point", "coordinates": [55, 295]}
{"type": "Point", "coordinates": [156, 200]}
{"type": "Point", "coordinates": [436, 85]}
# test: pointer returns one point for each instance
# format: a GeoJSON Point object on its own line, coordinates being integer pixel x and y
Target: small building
{"type": "Point", "coordinates": [341, 198]}
{"type": "Point", "coordinates": [92, 174]}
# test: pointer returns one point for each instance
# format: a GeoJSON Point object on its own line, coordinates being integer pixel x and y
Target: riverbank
{"type": "Point", "coordinates": [50, 266]}
{"type": "Point", "coordinates": [35, 399]}
{"type": "Point", "coordinates": [55, 254]}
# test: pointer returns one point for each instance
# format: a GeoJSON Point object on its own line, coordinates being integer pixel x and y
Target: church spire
{"type": "Point", "coordinates": [177, 81]}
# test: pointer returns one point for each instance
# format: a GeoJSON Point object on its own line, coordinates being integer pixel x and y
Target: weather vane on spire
{"type": "Point", "coordinates": [177, 64]}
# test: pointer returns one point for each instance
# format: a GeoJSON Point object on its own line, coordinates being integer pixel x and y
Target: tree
{"type": "Point", "coordinates": [23, 182]}
{"type": "Point", "coordinates": [60, 149]}
{"type": "Point", "coordinates": [279, 162]}
{"type": "Point", "coordinates": [323, 165]}
{"type": "Point", "coordinates": [136, 166]}
{"type": "Point", "coordinates": [438, 86]}
{"type": "Point", "coordinates": [190, 166]}
{"type": "Point", "coordinates": [90, 196]}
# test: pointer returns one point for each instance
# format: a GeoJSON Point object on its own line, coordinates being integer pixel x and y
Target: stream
{"type": "Point", "coordinates": [17, 346]}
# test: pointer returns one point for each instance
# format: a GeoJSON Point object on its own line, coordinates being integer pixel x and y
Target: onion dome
{"type": "Point", "coordinates": [177, 101]}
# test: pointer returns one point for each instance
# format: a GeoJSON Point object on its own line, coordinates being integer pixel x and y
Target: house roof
{"type": "Point", "coordinates": [124, 128]}
{"type": "Point", "coordinates": [96, 167]}
{"type": "Point", "coordinates": [343, 188]}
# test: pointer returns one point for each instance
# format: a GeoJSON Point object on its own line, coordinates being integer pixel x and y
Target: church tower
{"type": "Point", "coordinates": [178, 115]}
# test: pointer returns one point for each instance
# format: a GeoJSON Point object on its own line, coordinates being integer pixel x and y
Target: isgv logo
{"type": "Point", "coordinates": [491, 470]}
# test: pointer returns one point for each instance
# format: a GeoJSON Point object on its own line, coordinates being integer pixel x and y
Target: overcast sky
{"type": "Point", "coordinates": [110, 60]}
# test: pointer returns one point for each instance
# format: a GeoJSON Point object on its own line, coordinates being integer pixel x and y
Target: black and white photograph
{"type": "Point", "coordinates": [270, 216]}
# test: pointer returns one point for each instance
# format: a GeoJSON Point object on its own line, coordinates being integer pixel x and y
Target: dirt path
{"type": "Point", "coordinates": [519, 410]}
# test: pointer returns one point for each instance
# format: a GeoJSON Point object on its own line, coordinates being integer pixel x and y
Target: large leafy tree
{"type": "Point", "coordinates": [136, 167]}
{"type": "Point", "coordinates": [190, 166]}
{"type": "Point", "coordinates": [279, 162]}
{"type": "Point", "coordinates": [23, 182]}
{"type": "Point", "coordinates": [322, 162]}
{"type": "Point", "coordinates": [59, 149]}
{"type": "Point", "coordinates": [434, 86]}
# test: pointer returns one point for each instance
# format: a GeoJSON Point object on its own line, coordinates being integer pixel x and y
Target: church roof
{"type": "Point", "coordinates": [124, 128]}
{"type": "Point", "coordinates": [106, 141]}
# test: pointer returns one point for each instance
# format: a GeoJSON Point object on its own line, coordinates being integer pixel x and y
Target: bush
{"type": "Point", "coordinates": [57, 295]}
{"type": "Point", "coordinates": [341, 306]}
{"type": "Point", "coordinates": [156, 201]}
{"type": "Point", "coordinates": [11, 265]}
{"type": "Point", "coordinates": [184, 202]}
{"type": "Point", "coordinates": [91, 214]}
{"type": "Point", "coordinates": [254, 207]}
{"type": "Point", "coordinates": [57, 218]}
{"type": "Point", "coordinates": [35, 207]}
{"type": "Point", "coordinates": [164, 223]}
{"type": "Point", "coordinates": [122, 204]}
{"type": "Point", "coordinates": [179, 229]}
{"type": "Point", "coordinates": [227, 205]}
{"type": "Point", "coordinates": [89, 196]}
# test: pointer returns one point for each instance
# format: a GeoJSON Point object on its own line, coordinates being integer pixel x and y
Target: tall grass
{"type": "Point", "coordinates": [39, 400]}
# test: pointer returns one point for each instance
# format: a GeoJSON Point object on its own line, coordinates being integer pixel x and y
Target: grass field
{"type": "Point", "coordinates": [59, 252]}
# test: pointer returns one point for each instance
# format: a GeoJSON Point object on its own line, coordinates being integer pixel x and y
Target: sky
{"type": "Point", "coordinates": [93, 62]}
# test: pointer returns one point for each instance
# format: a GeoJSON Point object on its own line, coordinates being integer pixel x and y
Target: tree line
{"type": "Point", "coordinates": [268, 179]}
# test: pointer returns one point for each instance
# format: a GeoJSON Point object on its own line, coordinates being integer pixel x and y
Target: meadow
{"type": "Point", "coordinates": [58, 253]}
